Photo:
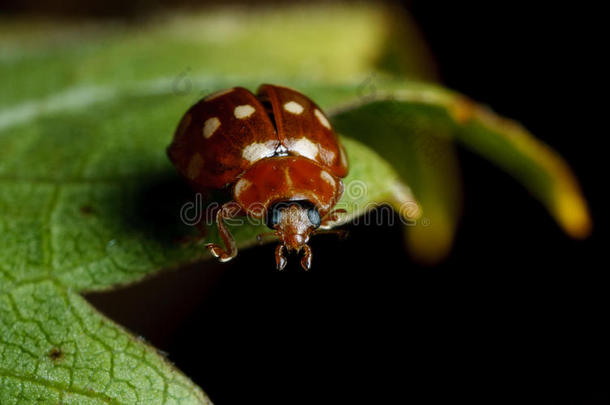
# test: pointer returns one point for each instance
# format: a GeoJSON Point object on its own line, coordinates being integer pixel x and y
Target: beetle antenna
{"type": "Point", "coordinates": [332, 217]}
{"type": "Point", "coordinates": [261, 236]}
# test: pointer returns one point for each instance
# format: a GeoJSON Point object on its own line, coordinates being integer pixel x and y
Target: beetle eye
{"type": "Point", "coordinates": [273, 217]}
{"type": "Point", "coordinates": [314, 217]}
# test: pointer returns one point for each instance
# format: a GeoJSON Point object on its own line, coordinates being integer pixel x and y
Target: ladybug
{"type": "Point", "coordinates": [275, 152]}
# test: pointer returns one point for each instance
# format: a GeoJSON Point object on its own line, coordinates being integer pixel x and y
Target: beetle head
{"type": "Point", "coordinates": [293, 222]}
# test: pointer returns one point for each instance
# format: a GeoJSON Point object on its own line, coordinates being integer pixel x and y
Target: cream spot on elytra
{"type": "Point", "coordinates": [258, 150]}
{"type": "Point", "coordinates": [194, 167]}
{"type": "Point", "coordinates": [328, 156]}
{"type": "Point", "coordinates": [322, 118]}
{"type": "Point", "coordinates": [241, 186]}
{"type": "Point", "coordinates": [327, 177]}
{"type": "Point", "coordinates": [243, 111]}
{"type": "Point", "coordinates": [293, 107]}
{"type": "Point", "coordinates": [210, 125]}
{"type": "Point", "coordinates": [306, 148]}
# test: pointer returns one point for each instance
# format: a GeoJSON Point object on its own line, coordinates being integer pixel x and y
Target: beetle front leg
{"type": "Point", "coordinates": [306, 259]}
{"type": "Point", "coordinates": [225, 212]}
{"type": "Point", "coordinates": [280, 259]}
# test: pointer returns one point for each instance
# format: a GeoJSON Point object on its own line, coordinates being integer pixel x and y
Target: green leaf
{"type": "Point", "coordinates": [56, 349]}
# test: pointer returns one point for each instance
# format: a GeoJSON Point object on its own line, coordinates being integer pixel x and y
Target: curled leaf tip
{"type": "Point", "coordinates": [540, 168]}
{"type": "Point", "coordinates": [572, 213]}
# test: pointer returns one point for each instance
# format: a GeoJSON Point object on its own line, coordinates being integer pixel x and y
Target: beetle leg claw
{"type": "Point", "coordinates": [280, 259]}
{"type": "Point", "coordinates": [306, 259]}
{"type": "Point", "coordinates": [222, 255]}
{"type": "Point", "coordinates": [216, 250]}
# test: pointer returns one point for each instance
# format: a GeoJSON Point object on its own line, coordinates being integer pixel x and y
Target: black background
{"type": "Point", "coordinates": [518, 313]}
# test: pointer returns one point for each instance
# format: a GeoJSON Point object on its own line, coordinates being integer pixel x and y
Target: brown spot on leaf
{"type": "Point", "coordinates": [56, 354]}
